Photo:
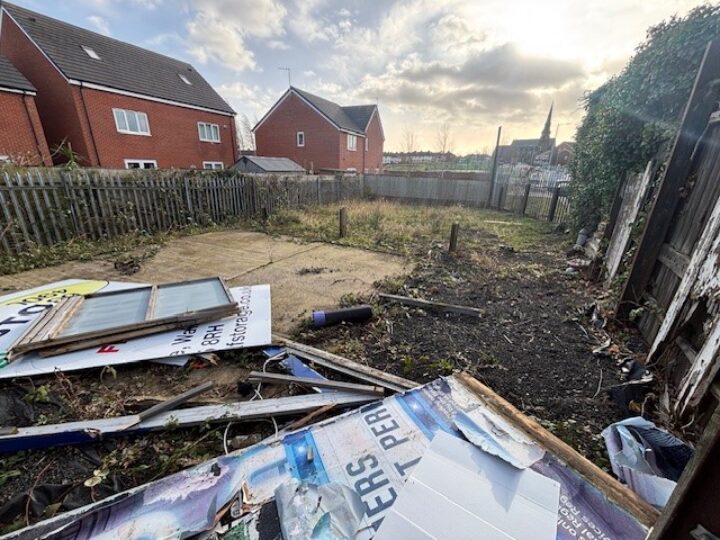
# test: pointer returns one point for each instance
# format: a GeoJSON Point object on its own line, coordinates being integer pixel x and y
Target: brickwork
{"type": "Point", "coordinates": [21, 136]}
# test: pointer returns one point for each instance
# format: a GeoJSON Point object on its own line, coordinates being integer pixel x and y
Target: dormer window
{"type": "Point", "coordinates": [184, 79]}
{"type": "Point", "coordinates": [90, 52]}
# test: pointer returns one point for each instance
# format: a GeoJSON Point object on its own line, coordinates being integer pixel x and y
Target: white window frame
{"type": "Point", "coordinates": [138, 116]}
{"type": "Point", "coordinates": [213, 165]}
{"type": "Point", "coordinates": [208, 129]}
{"type": "Point", "coordinates": [141, 162]}
{"type": "Point", "coordinates": [300, 135]}
{"type": "Point", "coordinates": [367, 144]}
{"type": "Point", "coordinates": [351, 142]}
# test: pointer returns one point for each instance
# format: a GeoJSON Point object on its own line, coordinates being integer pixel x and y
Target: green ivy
{"type": "Point", "coordinates": [634, 115]}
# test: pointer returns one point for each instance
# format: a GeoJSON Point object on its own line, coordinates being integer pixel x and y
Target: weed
{"type": "Point", "coordinates": [444, 366]}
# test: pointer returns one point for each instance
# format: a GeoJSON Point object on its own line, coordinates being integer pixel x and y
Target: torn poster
{"type": "Point", "coordinates": [460, 492]}
{"type": "Point", "coordinates": [646, 458]}
{"type": "Point", "coordinates": [250, 328]}
{"type": "Point", "coordinates": [372, 450]}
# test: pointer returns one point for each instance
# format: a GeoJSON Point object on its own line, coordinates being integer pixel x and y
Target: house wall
{"type": "Point", "coordinates": [276, 136]}
{"type": "Point", "coordinates": [21, 136]}
{"type": "Point", "coordinates": [174, 141]}
{"type": "Point", "coordinates": [55, 100]}
{"type": "Point", "coordinates": [84, 117]}
{"type": "Point", "coordinates": [374, 155]}
{"type": "Point", "coordinates": [351, 159]}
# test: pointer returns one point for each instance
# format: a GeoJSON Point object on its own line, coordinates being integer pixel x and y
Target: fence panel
{"type": "Point", "coordinates": [46, 206]}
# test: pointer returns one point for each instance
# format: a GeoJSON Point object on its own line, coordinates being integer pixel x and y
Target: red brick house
{"type": "Point", "coordinates": [321, 135]}
{"type": "Point", "coordinates": [120, 106]}
{"type": "Point", "coordinates": [22, 140]}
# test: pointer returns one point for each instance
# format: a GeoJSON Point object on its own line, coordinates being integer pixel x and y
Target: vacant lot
{"type": "Point", "coordinates": [532, 343]}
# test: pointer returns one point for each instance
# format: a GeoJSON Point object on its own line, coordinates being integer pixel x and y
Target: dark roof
{"type": "Point", "coordinates": [353, 118]}
{"type": "Point", "coordinates": [273, 164]}
{"type": "Point", "coordinates": [10, 77]}
{"type": "Point", "coordinates": [122, 66]}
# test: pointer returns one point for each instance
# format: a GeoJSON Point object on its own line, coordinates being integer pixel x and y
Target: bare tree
{"type": "Point", "coordinates": [240, 134]}
{"type": "Point", "coordinates": [443, 139]}
{"type": "Point", "coordinates": [248, 135]}
{"type": "Point", "coordinates": [408, 141]}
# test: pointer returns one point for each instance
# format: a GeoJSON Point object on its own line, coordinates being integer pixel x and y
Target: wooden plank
{"type": "Point", "coordinates": [434, 306]}
{"type": "Point", "coordinates": [697, 111]}
{"type": "Point", "coordinates": [610, 487]}
{"type": "Point", "coordinates": [676, 262]}
{"type": "Point", "coordinates": [39, 209]}
{"type": "Point", "coordinates": [694, 499]}
{"type": "Point", "coordinates": [19, 218]}
{"type": "Point", "coordinates": [85, 431]}
{"type": "Point", "coordinates": [171, 403]}
{"type": "Point", "coordinates": [24, 186]}
{"type": "Point", "coordinates": [8, 226]}
{"type": "Point", "coordinates": [347, 366]}
{"type": "Point", "coordinates": [279, 378]}
{"type": "Point", "coordinates": [55, 234]}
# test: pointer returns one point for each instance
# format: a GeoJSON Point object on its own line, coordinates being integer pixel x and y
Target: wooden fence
{"type": "Point", "coordinates": [46, 206]}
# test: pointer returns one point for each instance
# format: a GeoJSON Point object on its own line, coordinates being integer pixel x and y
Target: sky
{"type": "Point", "coordinates": [468, 65]}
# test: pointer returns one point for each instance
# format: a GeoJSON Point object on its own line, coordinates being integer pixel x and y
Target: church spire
{"type": "Point", "coordinates": [545, 136]}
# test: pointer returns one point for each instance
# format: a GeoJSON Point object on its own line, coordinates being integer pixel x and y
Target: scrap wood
{"type": "Point", "coordinates": [347, 366]}
{"type": "Point", "coordinates": [277, 378]}
{"type": "Point", "coordinates": [89, 430]}
{"type": "Point", "coordinates": [611, 488]}
{"type": "Point", "coordinates": [305, 420]}
{"type": "Point", "coordinates": [170, 403]}
{"type": "Point", "coordinates": [427, 304]}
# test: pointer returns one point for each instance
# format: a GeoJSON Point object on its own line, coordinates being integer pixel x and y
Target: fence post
{"type": "Point", "coordinates": [493, 173]}
{"type": "Point", "coordinates": [70, 196]}
{"type": "Point", "coordinates": [343, 222]}
{"type": "Point", "coordinates": [188, 200]}
{"type": "Point", "coordinates": [553, 203]}
{"type": "Point", "coordinates": [524, 202]}
{"type": "Point", "coordinates": [454, 231]}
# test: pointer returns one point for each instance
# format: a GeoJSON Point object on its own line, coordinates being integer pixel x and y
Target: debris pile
{"type": "Point", "coordinates": [451, 457]}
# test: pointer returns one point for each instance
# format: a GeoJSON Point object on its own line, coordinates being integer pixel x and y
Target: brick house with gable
{"type": "Point", "coordinates": [22, 140]}
{"type": "Point", "coordinates": [321, 135]}
{"type": "Point", "coordinates": [120, 106]}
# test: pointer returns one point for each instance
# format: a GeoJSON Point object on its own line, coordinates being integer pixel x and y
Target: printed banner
{"type": "Point", "coordinates": [251, 327]}
{"type": "Point", "coordinates": [372, 450]}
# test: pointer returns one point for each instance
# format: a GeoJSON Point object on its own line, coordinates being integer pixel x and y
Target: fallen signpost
{"type": "Point", "coordinates": [277, 378]}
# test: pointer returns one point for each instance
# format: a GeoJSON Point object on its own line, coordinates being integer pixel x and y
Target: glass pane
{"type": "Point", "coordinates": [203, 134]}
{"type": "Point", "coordinates": [133, 165]}
{"type": "Point", "coordinates": [148, 165]}
{"type": "Point", "coordinates": [216, 133]}
{"type": "Point", "coordinates": [182, 297]}
{"type": "Point", "coordinates": [120, 119]}
{"type": "Point", "coordinates": [207, 165]}
{"type": "Point", "coordinates": [102, 312]}
{"type": "Point", "coordinates": [143, 122]}
{"type": "Point", "coordinates": [132, 121]}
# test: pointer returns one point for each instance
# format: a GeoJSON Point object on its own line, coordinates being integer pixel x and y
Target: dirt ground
{"type": "Point", "coordinates": [533, 343]}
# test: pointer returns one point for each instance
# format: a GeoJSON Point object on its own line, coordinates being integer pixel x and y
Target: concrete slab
{"type": "Point", "coordinates": [303, 276]}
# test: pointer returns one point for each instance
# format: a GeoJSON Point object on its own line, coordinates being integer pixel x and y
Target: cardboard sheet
{"type": "Point", "coordinates": [250, 328]}
{"type": "Point", "coordinates": [372, 450]}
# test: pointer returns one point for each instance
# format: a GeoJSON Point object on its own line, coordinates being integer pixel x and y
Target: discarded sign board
{"type": "Point", "coordinates": [459, 492]}
{"type": "Point", "coordinates": [80, 322]}
{"type": "Point", "coordinates": [372, 450]}
{"type": "Point", "coordinates": [91, 430]}
{"type": "Point", "coordinates": [249, 328]}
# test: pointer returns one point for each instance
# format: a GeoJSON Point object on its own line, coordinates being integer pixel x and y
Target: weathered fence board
{"type": "Point", "coordinates": [46, 206]}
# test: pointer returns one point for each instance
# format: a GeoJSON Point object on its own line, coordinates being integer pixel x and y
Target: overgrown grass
{"type": "Point", "coordinates": [406, 229]}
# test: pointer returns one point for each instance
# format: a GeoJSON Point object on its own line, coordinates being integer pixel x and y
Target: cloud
{"type": "Point", "coordinates": [219, 30]}
{"type": "Point", "coordinates": [100, 24]}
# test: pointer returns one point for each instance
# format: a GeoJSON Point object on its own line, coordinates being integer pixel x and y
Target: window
{"type": "Point", "coordinates": [352, 142]}
{"type": "Point", "coordinates": [300, 138]}
{"type": "Point", "coordinates": [131, 122]}
{"type": "Point", "coordinates": [140, 164]}
{"type": "Point", "coordinates": [366, 143]}
{"type": "Point", "coordinates": [215, 165]}
{"type": "Point", "coordinates": [209, 132]}
{"type": "Point", "coordinates": [184, 79]}
{"type": "Point", "coordinates": [90, 52]}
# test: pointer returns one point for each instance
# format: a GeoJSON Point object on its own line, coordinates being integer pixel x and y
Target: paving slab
{"type": "Point", "coordinates": [303, 276]}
